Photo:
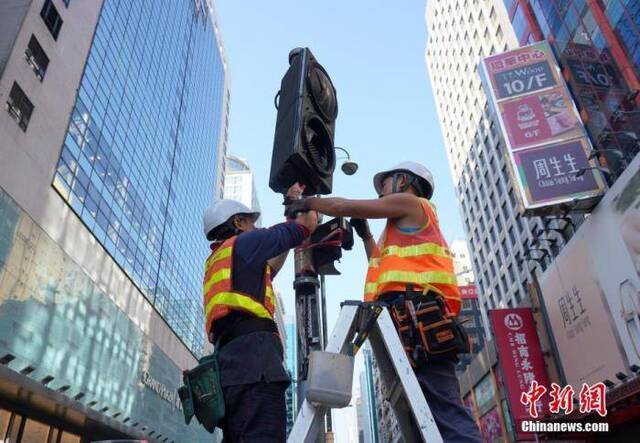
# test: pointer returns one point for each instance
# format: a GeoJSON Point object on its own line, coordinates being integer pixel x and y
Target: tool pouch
{"type": "Point", "coordinates": [440, 332]}
{"type": "Point", "coordinates": [202, 395]}
{"type": "Point", "coordinates": [402, 321]}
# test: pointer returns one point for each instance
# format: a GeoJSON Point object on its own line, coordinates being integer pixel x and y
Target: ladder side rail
{"type": "Point", "coordinates": [400, 371]}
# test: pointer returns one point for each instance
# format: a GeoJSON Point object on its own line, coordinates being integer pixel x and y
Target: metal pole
{"type": "Point", "coordinates": [308, 321]}
{"type": "Point", "coordinates": [323, 313]}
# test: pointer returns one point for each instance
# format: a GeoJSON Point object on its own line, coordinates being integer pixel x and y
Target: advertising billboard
{"type": "Point", "coordinates": [592, 289]}
{"type": "Point", "coordinates": [519, 358]}
{"type": "Point", "coordinates": [545, 139]}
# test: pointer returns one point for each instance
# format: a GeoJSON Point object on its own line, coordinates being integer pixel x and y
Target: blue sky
{"type": "Point", "coordinates": [374, 53]}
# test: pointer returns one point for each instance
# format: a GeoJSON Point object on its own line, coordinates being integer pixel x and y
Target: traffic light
{"type": "Point", "coordinates": [303, 149]}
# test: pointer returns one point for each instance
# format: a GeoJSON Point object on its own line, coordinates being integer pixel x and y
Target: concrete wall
{"type": "Point", "coordinates": [28, 160]}
{"type": "Point", "coordinates": [12, 13]}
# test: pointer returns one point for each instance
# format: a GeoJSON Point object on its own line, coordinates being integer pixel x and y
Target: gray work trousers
{"type": "Point", "coordinates": [439, 383]}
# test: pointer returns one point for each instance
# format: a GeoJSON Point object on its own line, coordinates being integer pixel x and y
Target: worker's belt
{"type": "Point", "coordinates": [246, 326]}
{"type": "Point", "coordinates": [425, 326]}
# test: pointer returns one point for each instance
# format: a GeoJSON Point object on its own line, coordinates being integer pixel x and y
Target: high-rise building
{"type": "Point", "coordinates": [471, 318]}
{"type": "Point", "coordinates": [597, 45]}
{"type": "Point", "coordinates": [239, 183]}
{"type": "Point", "coordinates": [367, 423]}
{"type": "Point", "coordinates": [460, 33]}
{"type": "Point", "coordinates": [362, 413]}
{"type": "Point", "coordinates": [111, 140]}
{"type": "Point", "coordinates": [462, 262]}
{"type": "Point", "coordinates": [386, 426]}
{"type": "Point", "coordinates": [291, 364]}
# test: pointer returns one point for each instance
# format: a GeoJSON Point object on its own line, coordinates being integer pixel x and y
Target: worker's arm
{"type": "Point", "coordinates": [308, 220]}
{"type": "Point", "coordinates": [259, 246]}
{"type": "Point", "coordinates": [369, 246]}
{"type": "Point", "coordinates": [392, 206]}
{"type": "Point", "coordinates": [361, 226]}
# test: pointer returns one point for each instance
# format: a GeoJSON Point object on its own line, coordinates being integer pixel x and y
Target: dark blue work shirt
{"type": "Point", "coordinates": [256, 356]}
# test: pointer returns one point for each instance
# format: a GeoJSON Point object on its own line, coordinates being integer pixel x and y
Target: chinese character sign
{"type": "Point", "coordinates": [521, 71]}
{"type": "Point", "coordinates": [521, 363]}
{"type": "Point", "coordinates": [547, 174]}
{"type": "Point", "coordinates": [468, 292]}
{"type": "Point", "coordinates": [545, 138]}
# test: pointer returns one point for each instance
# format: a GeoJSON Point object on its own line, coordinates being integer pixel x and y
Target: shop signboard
{"type": "Point", "coordinates": [519, 358]}
{"type": "Point", "coordinates": [591, 290]}
{"type": "Point", "coordinates": [541, 124]}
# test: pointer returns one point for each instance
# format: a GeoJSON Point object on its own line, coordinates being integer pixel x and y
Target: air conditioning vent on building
{"type": "Point", "coordinates": [78, 396]}
{"type": "Point", "coordinates": [48, 379]}
{"type": "Point", "coordinates": [28, 370]}
{"type": "Point", "coordinates": [6, 359]}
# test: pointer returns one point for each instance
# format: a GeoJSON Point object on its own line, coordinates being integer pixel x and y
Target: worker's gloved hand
{"type": "Point", "coordinates": [295, 207]}
{"type": "Point", "coordinates": [362, 228]}
{"type": "Point", "coordinates": [294, 193]}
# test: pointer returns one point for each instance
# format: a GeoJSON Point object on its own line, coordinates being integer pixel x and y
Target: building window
{"type": "Point", "coordinates": [51, 18]}
{"type": "Point", "coordinates": [36, 58]}
{"type": "Point", "coordinates": [19, 106]}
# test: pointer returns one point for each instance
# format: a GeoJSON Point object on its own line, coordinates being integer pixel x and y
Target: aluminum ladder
{"type": "Point", "coordinates": [402, 388]}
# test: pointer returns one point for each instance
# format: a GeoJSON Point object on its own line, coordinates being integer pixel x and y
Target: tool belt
{"type": "Point", "coordinates": [426, 326]}
{"type": "Point", "coordinates": [201, 395]}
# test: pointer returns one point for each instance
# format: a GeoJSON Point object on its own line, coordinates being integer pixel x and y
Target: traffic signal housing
{"type": "Point", "coordinates": [303, 145]}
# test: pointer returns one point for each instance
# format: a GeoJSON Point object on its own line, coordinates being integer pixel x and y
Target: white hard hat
{"type": "Point", "coordinates": [415, 168]}
{"type": "Point", "coordinates": [222, 210]}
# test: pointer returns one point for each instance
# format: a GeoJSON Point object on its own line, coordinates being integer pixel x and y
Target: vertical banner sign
{"type": "Point", "coordinates": [545, 138]}
{"type": "Point", "coordinates": [520, 359]}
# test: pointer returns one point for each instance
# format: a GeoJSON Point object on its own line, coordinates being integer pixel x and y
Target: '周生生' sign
{"type": "Point", "coordinates": [545, 138]}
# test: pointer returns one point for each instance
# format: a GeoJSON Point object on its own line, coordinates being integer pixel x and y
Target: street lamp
{"type": "Point", "coordinates": [596, 152]}
{"type": "Point", "coordinates": [606, 134]}
{"type": "Point", "coordinates": [538, 232]}
{"type": "Point", "coordinates": [604, 171]}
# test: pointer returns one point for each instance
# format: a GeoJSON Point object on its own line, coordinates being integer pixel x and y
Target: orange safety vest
{"type": "Point", "coordinates": [220, 298]}
{"type": "Point", "coordinates": [420, 259]}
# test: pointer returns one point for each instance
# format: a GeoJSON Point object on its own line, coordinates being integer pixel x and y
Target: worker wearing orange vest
{"type": "Point", "coordinates": [239, 307]}
{"type": "Point", "coordinates": [412, 264]}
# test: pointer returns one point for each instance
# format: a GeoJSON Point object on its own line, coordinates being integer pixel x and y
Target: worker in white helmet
{"type": "Point", "coordinates": [411, 268]}
{"type": "Point", "coordinates": [239, 308]}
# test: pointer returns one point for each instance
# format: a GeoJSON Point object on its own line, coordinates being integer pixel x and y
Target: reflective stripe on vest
{"type": "Point", "coordinates": [220, 298]}
{"type": "Point", "coordinates": [421, 259]}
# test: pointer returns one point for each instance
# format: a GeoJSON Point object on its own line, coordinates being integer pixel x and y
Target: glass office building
{"type": "Point", "coordinates": [112, 141]}
{"type": "Point", "coordinates": [138, 163]}
{"type": "Point", "coordinates": [597, 44]}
